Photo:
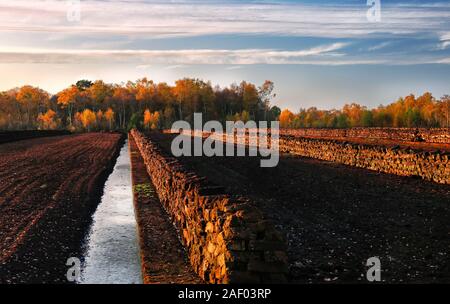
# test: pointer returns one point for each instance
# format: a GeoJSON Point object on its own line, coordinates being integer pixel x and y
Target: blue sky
{"type": "Point", "coordinates": [318, 53]}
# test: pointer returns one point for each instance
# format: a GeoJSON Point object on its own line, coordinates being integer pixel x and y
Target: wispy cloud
{"type": "Point", "coordinates": [445, 41]}
{"type": "Point", "coordinates": [143, 66]}
{"type": "Point", "coordinates": [174, 58]}
{"type": "Point", "coordinates": [188, 18]}
{"type": "Point", "coordinates": [444, 61]}
{"type": "Point", "coordinates": [379, 46]}
{"type": "Point", "coordinates": [120, 31]}
{"type": "Point", "coordinates": [234, 67]}
{"type": "Point", "coordinates": [176, 67]}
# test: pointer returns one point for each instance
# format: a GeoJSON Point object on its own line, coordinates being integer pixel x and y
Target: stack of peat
{"type": "Point", "coordinates": [227, 238]}
{"type": "Point", "coordinates": [437, 135]}
{"type": "Point", "coordinates": [432, 166]}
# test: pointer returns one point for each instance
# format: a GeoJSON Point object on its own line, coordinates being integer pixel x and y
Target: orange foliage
{"type": "Point", "coordinates": [88, 118]}
{"type": "Point", "coordinates": [286, 119]}
{"type": "Point", "coordinates": [109, 116]}
{"type": "Point", "coordinates": [33, 101]}
{"type": "Point", "coordinates": [151, 120]}
{"type": "Point", "coordinates": [99, 92]}
{"type": "Point", "coordinates": [99, 115]}
{"type": "Point", "coordinates": [409, 112]}
{"type": "Point", "coordinates": [145, 90]}
{"type": "Point", "coordinates": [48, 120]}
{"type": "Point", "coordinates": [29, 94]}
{"type": "Point", "coordinates": [68, 96]}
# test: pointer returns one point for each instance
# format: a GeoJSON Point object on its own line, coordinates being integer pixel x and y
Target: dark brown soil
{"type": "Point", "coordinates": [164, 260]}
{"type": "Point", "coordinates": [11, 136]}
{"type": "Point", "coordinates": [49, 188]}
{"type": "Point", "coordinates": [335, 217]}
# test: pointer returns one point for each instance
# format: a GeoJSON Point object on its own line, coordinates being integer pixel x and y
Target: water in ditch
{"type": "Point", "coordinates": [112, 252]}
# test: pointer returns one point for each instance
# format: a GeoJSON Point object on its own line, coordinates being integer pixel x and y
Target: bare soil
{"type": "Point", "coordinates": [335, 217]}
{"type": "Point", "coordinates": [11, 136]}
{"type": "Point", "coordinates": [49, 188]}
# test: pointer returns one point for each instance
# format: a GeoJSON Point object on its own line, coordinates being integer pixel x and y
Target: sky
{"type": "Point", "coordinates": [318, 53]}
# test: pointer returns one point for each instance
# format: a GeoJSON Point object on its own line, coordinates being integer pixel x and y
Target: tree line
{"type": "Point", "coordinates": [89, 106]}
{"type": "Point", "coordinates": [92, 106]}
{"type": "Point", "coordinates": [408, 112]}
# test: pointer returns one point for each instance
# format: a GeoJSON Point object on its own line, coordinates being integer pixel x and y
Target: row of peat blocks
{"type": "Point", "coordinates": [437, 135]}
{"type": "Point", "coordinates": [431, 166]}
{"type": "Point", "coordinates": [227, 238]}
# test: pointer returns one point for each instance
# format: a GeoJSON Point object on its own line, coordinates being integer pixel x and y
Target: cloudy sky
{"type": "Point", "coordinates": [318, 53]}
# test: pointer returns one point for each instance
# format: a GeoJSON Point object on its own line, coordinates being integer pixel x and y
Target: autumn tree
{"type": "Point", "coordinates": [87, 104]}
{"type": "Point", "coordinates": [88, 119]}
{"type": "Point", "coordinates": [147, 118]}
{"type": "Point", "coordinates": [99, 119]}
{"type": "Point", "coordinates": [4, 121]}
{"type": "Point", "coordinates": [122, 97]}
{"type": "Point", "coordinates": [168, 116]}
{"type": "Point", "coordinates": [409, 111]}
{"type": "Point", "coordinates": [34, 100]}
{"type": "Point", "coordinates": [266, 95]}
{"type": "Point", "coordinates": [67, 98]}
{"type": "Point", "coordinates": [353, 113]}
{"type": "Point", "coordinates": [77, 122]}
{"type": "Point", "coordinates": [145, 92]}
{"type": "Point", "coordinates": [286, 119]}
{"type": "Point", "coordinates": [48, 120]}
{"type": "Point", "coordinates": [250, 98]}
{"type": "Point", "coordinates": [151, 120]}
{"type": "Point", "coordinates": [244, 116]}
{"type": "Point", "coordinates": [164, 96]}
{"type": "Point", "coordinates": [10, 111]}
{"type": "Point", "coordinates": [183, 92]}
{"type": "Point", "coordinates": [445, 110]}
{"type": "Point", "coordinates": [109, 116]}
{"type": "Point", "coordinates": [99, 93]}
{"type": "Point", "coordinates": [206, 100]}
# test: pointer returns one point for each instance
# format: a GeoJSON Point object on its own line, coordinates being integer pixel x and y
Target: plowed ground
{"type": "Point", "coordinates": [11, 136]}
{"type": "Point", "coordinates": [336, 217]}
{"type": "Point", "coordinates": [49, 187]}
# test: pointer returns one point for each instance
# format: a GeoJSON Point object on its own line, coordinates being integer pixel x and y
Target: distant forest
{"type": "Point", "coordinates": [93, 106]}
{"type": "Point", "coordinates": [97, 105]}
{"type": "Point", "coordinates": [408, 112]}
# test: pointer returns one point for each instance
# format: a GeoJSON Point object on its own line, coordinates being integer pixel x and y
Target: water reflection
{"type": "Point", "coordinates": [112, 254]}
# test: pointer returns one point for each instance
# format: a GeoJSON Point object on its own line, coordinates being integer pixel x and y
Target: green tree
{"type": "Point", "coordinates": [367, 119]}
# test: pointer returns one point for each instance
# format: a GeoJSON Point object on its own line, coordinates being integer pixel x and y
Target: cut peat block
{"type": "Point", "coordinates": [164, 260]}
